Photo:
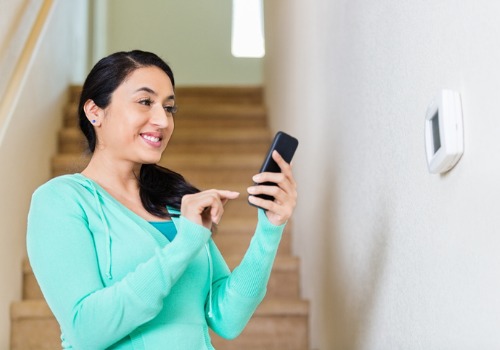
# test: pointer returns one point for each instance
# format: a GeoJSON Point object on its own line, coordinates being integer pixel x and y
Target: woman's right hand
{"type": "Point", "coordinates": [206, 207]}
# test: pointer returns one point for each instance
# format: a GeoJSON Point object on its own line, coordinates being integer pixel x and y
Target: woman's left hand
{"type": "Point", "coordinates": [285, 193]}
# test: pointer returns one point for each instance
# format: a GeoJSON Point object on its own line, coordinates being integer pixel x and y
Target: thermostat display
{"type": "Point", "coordinates": [444, 141]}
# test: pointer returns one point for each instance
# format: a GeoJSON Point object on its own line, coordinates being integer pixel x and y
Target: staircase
{"type": "Point", "coordinates": [220, 140]}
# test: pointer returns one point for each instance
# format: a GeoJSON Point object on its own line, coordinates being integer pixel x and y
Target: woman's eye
{"type": "Point", "coordinates": [146, 102]}
{"type": "Point", "coordinates": [170, 109]}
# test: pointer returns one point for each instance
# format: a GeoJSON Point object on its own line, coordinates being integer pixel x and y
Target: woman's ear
{"type": "Point", "coordinates": [93, 112]}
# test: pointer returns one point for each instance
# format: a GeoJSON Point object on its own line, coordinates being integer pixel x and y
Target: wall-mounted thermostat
{"type": "Point", "coordinates": [444, 133]}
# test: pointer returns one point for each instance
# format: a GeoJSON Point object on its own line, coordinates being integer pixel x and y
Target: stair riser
{"type": "Point", "coordinates": [193, 136]}
{"type": "Point", "coordinates": [209, 94]}
{"type": "Point", "coordinates": [31, 289]}
{"type": "Point", "coordinates": [201, 177]}
{"type": "Point", "coordinates": [79, 146]}
{"type": "Point", "coordinates": [193, 177]}
{"type": "Point", "coordinates": [282, 284]}
{"type": "Point", "coordinates": [262, 332]}
{"type": "Point", "coordinates": [73, 146]}
{"type": "Point", "coordinates": [221, 148]}
{"type": "Point", "coordinates": [238, 244]}
{"type": "Point", "coordinates": [185, 123]}
{"type": "Point", "coordinates": [211, 115]}
{"type": "Point", "coordinates": [198, 162]}
{"type": "Point", "coordinates": [269, 333]}
{"type": "Point", "coordinates": [35, 334]}
{"type": "Point", "coordinates": [209, 178]}
{"type": "Point", "coordinates": [220, 122]}
{"type": "Point", "coordinates": [223, 95]}
{"type": "Point", "coordinates": [207, 100]}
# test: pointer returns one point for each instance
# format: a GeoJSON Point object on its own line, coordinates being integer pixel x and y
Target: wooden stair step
{"type": "Point", "coordinates": [205, 179]}
{"type": "Point", "coordinates": [206, 115]}
{"type": "Point", "coordinates": [276, 324]}
{"type": "Point", "coordinates": [196, 139]}
{"type": "Point", "coordinates": [74, 94]}
{"type": "Point", "coordinates": [250, 161]}
{"type": "Point", "coordinates": [228, 136]}
{"type": "Point", "coordinates": [68, 164]}
{"type": "Point", "coordinates": [30, 309]}
{"type": "Point", "coordinates": [221, 111]}
{"type": "Point", "coordinates": [71, 140]}
{"type": "Point", "coordinates": [38, 308]}
{"type": "Point", "coordinates": [284, 280]}
{"type": "Point", "coordinates": [214, 164]}
{"type": "Point", "coordinates": [202, 179]}
{"type": "Point", "coordinates": [233, 236]}
{"type": "Point", "coordinates": [219, 94]}
{"type": "Point", "coordinates": [238, 245]}
{"type": "Point", "coordinates": [219, 121]}
{"type": "Point", "coordinates": [283, 283]}
{"type": "Point", "coordinates": [31, 289]}
{"type": "Point", "coordinates": [238, 208]}
{"type": "Point", "coordinates": [203, 94]}
{"type": "Point", "coordinates": [242, 148]}
{"type": "Point", "coordinates": [33, 326]}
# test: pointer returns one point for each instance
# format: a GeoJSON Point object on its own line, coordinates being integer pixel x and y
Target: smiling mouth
{"type": "Point", "coordinates": [151, 138]}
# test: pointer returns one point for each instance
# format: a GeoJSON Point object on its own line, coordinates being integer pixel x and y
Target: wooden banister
{"type": "Point", "coordinates": [16, 80]}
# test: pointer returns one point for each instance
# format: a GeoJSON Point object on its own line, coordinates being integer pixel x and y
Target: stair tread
{"type": "Point", "coordinates": [213, 110]}
{"type": "Point", "coordinates": [209, 93]}
{"type": "Point", "coordinates": [282, 263]}
{"type": "Point", "coordinates": [182, 161]}
{"type": "Point", "coordinates": [237, 109]}
{"type": "Point", "coordinates": [283, 306]}
{"type": "Point", "coordinates": [269, 307]}
{"type": "Point", "coordinates": [230, 133]}
{"type": "Point", "coordinates": [213, 94]}
{"type": "Point", "coordinates": [34, 308]}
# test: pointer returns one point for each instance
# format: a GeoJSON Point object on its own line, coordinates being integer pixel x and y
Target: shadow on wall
{"type": "Point", "coordinates": [347, 307]}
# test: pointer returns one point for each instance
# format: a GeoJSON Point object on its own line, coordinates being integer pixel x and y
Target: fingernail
{"type": "Point", "coordinates": [256, 178]}
{"type": "Point", "coordinates": [250, 189]}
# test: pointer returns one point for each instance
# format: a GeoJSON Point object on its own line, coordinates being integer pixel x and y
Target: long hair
{"type": "Point", "coordinates": [159, 187]}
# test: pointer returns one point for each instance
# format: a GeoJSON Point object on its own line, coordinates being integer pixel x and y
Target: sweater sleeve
{"type": "Point", "coordinates": [236, 295]}
{"type": "Point", "coordinates": [62, 254]}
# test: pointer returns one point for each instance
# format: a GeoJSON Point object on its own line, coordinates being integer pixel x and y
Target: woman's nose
{"type": "Point", "coordinates": [160, 117]}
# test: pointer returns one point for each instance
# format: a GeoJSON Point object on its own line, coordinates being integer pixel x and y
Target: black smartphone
{"type": "Point", "coordinates": [286, 146]}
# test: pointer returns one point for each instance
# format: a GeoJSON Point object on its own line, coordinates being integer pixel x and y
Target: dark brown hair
{"type": "Point", "coordinates": [159, 186]}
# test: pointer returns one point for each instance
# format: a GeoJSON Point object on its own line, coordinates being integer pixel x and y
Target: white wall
{"type": "Point", "coordinates": [392, 257]}
{"type": "Point", "coordinates": [30, 140]}
{"type": "Point", "coordinates": [194, 37]}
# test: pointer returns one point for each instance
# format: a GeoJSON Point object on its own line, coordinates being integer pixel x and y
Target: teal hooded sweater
{"type": "Point", "coordinates": [113, 281]}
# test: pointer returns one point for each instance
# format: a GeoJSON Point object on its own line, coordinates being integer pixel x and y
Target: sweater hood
{"type": "Point", "coordinates": [96, 190]}
{"type": "Point", "coordinates": [92, 187]}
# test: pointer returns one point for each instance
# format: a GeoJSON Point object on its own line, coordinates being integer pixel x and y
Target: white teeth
{"type": "Point", "coordinates": [151, 138]}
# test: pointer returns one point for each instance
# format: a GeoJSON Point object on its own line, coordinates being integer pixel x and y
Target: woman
{"type": "Point", "coordinates": [123, 251]}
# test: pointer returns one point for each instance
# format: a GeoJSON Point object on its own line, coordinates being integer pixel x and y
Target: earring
{"type": "Point", "coordinates": [93, 120]}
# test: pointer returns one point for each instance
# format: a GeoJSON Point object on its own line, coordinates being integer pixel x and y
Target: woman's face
{"type": "Point", "coordinates": [138, 122]}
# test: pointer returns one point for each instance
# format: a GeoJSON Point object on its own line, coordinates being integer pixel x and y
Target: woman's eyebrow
{"type": "Point", "coordinates": [146, 89]}
{"type": "Point", "coordinates": [152, 92]}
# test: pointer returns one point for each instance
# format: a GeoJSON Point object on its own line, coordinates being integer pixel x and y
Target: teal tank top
{"type": "Point", "coordinates": [167, 228]}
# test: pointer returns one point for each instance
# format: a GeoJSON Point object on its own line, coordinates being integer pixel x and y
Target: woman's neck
{"type": "Point", "coordinates": [113, 174]}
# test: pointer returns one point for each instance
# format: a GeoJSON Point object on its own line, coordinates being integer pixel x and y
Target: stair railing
{"type": "Point", "coordinates": [24, 59]}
